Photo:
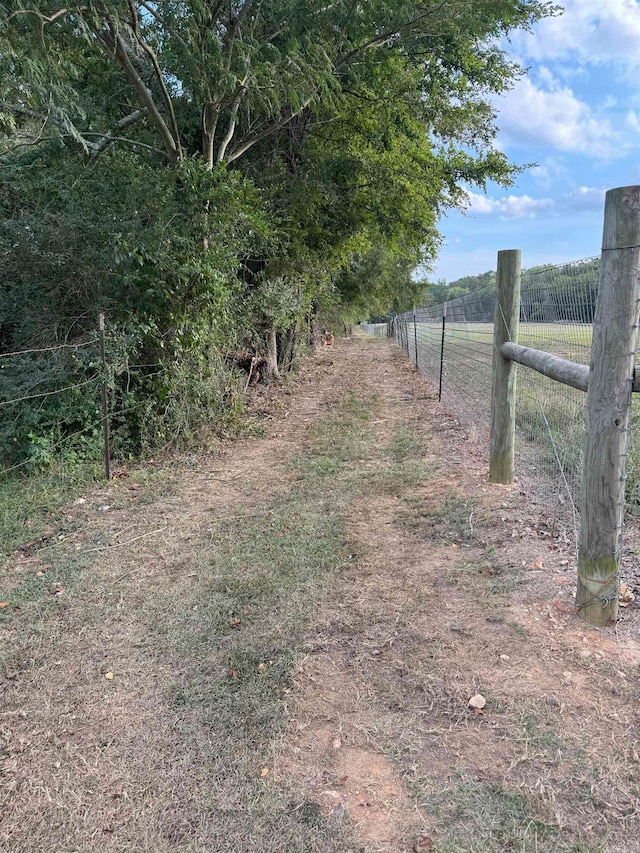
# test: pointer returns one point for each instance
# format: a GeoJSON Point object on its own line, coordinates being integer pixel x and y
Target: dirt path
{"type": "Point", "coordinates": [273, 648]}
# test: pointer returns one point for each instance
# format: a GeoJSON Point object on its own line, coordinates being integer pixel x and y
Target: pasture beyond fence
{"type": "Point", "coordinates": [579, 324]}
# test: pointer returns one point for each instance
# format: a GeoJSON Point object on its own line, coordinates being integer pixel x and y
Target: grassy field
{"type": "Point", "coordinates": [543, 405]}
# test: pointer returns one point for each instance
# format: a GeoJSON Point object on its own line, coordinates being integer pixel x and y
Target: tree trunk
{"type": "Point", "coordinates": [272, 355]}
{"type": "Point", "coordinates": [288, 346]}
{"type": "Point", "coordinates": [209, 123]}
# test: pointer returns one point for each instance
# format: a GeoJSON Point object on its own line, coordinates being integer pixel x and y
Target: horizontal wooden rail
{"type": "Point", "coordinates": [560, 369]}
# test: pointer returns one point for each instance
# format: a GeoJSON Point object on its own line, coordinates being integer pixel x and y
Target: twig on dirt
{"type": "Point", "coordinates": [470, 524]}
{"type": "Point", "coordinates": [124, 530]}
{"type": "Point", "coordinates": [122, 544]}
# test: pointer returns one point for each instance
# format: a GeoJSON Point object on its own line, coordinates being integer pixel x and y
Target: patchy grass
{"type": "Point", "coordinates": [224, 647]}
{"type": "Point", "coordinates": [482, 817]}
{"type": "Point", "coordinates": [450, 521]}
{"type": "Point", "coordinates": [407, 444]}
{"type": "Point", "coordinates": [239, 631]}
{"type": "Point", "coordinates": [301, 595]}
{"type": "Point", "coordinates": [30, 505]}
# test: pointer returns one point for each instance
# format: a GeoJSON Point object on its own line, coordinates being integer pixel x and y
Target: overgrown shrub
{"type": "Point", "coordinates": [157, 251]}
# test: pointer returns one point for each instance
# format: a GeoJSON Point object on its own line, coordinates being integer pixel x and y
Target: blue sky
{"type": "Point", "coordinates": [577, 115]}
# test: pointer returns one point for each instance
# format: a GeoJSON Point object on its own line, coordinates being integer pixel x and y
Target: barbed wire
{"type": "Point", "coordinates": [48, 349]}
{"type": "Point", "coordinates": [49, 393]}
{"type": "Point", "coordinates": [68, 438]}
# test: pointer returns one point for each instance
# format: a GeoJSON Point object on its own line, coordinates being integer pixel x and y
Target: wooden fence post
{"type": "Point", "coordinates": [613, 351]}
{"type": "Point", "coordinates": [503, 390]}
{"type": "Point", "coordinates": [415, 335]}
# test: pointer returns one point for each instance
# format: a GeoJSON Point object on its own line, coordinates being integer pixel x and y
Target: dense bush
{"type": "Point", "coordinates": [128, 241]}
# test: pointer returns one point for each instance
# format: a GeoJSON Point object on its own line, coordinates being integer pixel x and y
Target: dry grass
{"type": "Point", "coordinates": [320, 602]}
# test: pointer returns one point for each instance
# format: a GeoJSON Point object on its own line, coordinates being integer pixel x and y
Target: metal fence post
{"type": "Point", "coordinates": [444, 327]}
{"type": "Point", "coordinates": [415, 335]}
{"type": "Point", "coordinates": [503, 390]}
{"type": "Point", "coordinates": [105, 401]}
{"type": "Point", "coordinates": [613, 350]}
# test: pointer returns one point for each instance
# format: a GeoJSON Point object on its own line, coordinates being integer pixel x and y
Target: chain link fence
{"type": "Point", "coordinates": [452, 346]}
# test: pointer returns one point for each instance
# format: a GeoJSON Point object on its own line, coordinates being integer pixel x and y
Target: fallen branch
{"type": "Point", "coordinates": [123, 544]}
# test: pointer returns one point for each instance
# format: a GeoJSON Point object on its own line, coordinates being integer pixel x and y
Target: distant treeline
{"type": "Point", "coordinates": [550, 294]}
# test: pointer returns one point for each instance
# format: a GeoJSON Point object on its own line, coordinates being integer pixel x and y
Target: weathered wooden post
{"type": "Point", "coordinates": [613, 352]}
{"type": "Point", "coordinates": [503, 391]}
{"type": "Point", "coordinates": [415, 335]}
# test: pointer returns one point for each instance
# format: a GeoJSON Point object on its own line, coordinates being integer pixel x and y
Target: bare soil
{"type": "Point", "coordinates": [444, 587]}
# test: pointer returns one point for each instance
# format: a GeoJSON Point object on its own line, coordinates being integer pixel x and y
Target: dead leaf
{"type": "Point", "coordinates": [108, 675]}
{"type": "Point", "coordinates": [422, 843]}
{"type": "Point", "coordinates": [342, 780]}
{"type": "Point", "coordinates": [4, 603]}
{"type": "Point", "coordinates": [232, 673]}
{"type": "Point", "coordinates": [625, 596]}
{"type": "Point", "coordinates": [235, 623]}
{"type": "Point", "coordinates": [261, 665]}
{"type": "Point", "coordinates": [264, 771]}
{"type": "Point", "coordinates": [134, 486]}
{"type": "Point", "coordinates": [538, 564]}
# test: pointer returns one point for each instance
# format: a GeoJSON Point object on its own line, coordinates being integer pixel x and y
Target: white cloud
{"type": "Point", "coordinates": [601, 32]}
{"type": "Point", "coordinates": [508, 207]}
{"type": "Point", "coordinates": [531, 117]}
{"type": "Point", "coordinates": [579, 199]}
{"type": "Point", "coordinates": [549, 171]}
{"type": "Point", "coordinates": [585, 198]}
{"type": "Point", "coordinates": [632, 120]}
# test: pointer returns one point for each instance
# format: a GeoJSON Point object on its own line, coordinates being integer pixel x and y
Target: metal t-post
{"type": "Point", "coordinates": [444, 327]}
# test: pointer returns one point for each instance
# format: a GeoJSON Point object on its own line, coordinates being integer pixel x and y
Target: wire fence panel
{"type": "Point", "coordinates": [379, 330]}
{"type": "Point", "coordinates": [455, 351]}
{"type": "Point", "coordinates": [556, 316]}
{"type": "Point", "coordinates": [455, 354]}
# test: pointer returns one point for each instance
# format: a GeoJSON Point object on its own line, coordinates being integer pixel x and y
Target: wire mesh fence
{"type": "Point", "coordinates": [57, 401]}
{"type": "Point", "coordinates": [451, 344]}
{"type": "Point", "coordinates": [378, 330]}
{"type": "Point", "coordinates": [110, 391]}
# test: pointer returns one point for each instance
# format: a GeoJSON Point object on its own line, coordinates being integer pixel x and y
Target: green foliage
{"type": "Point", "coordinates": [208, 175]}
{"type": "Point", "coordinates": [128, 242]}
